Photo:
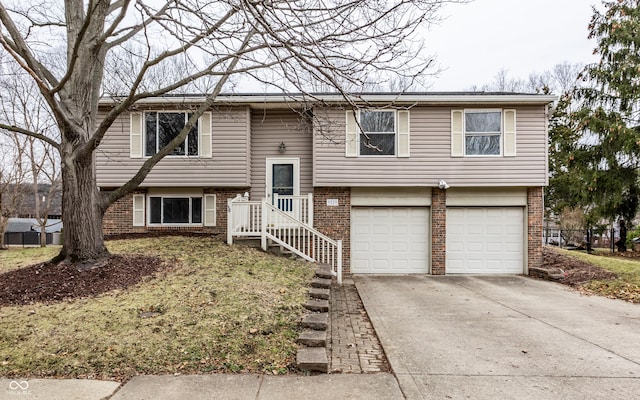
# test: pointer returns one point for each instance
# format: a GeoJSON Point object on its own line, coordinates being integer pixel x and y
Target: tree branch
{"type": "Point", "coordinates": [142, 173]}
{"type": "Point", "coordinates": [17, 129]}
{"type": "Point", "coordinates": [134, 30]}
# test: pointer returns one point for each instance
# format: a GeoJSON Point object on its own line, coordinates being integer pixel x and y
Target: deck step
{"type": "Point", "coordinates": [317, 321]}
{"type": "Point", "coordinates": [313, 359]}
{"type": "Point", "coordinates": [321, 283]}
{"type": "Point", "coordinates": [313, 338]}
{"type": "Point", "coordinates": [319, 293]}
{"type": "Point", "coordinates": [317, 305]}
{"type": "Point", "coordinates": [324, 273]}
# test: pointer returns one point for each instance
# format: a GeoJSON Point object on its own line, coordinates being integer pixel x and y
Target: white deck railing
{"type": "Point", "coordinates": [299, 207]}
{"type": "Point", "coordinates": [243, 218]}
{"type": "Point", "coordinates": [278, 223]}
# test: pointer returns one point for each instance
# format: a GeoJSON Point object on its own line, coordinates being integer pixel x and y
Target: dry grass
{"type": "Point", "coordinates": [625, 287]}
{"type": "Point", "coordinates": [17, 257]}
{"type": "Point", "coordinates": [219, 309]}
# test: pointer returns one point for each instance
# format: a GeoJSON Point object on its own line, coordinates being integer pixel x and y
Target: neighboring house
{"type": "Point", "coordinates": [27, 200]}
{"type": "Point", "coordinates": [412, 183]}
{"type": "Point", "coordinates": [28, 207]}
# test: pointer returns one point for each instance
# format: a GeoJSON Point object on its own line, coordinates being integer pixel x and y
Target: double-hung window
{"type": "Point", "coordinates": [378, 133]}
{"type": "Point", "coordinates": [175, 210]}
{"type": "Point", "coordinates": [482, 133]}
{"type": "Point", "coordinates": [479, 133]}
{"type": "Point", "coordinates": [160, 128]}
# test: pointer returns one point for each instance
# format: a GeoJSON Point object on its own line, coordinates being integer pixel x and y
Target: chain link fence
{"type": "Point", "coordinates": [584, 239]}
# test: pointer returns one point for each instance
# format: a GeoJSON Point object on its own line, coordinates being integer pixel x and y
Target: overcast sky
{"type": "Point", "coordinates": [478, 39]}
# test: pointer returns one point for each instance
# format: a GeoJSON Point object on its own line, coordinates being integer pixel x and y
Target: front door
{"type": "Point", "coordinates": [283, 179]}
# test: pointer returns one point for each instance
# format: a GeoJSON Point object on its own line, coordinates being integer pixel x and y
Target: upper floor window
{"type": "Point", "coordinates": [378, 136]}
{"type": "Point", "coordinates": [162, 127]}
{"type": "Point", "coordinates": [482, 133]}
{"type": "Point", "coordinates": [377, 133]}
{"type": "Point", "coordinates": [478, 132]}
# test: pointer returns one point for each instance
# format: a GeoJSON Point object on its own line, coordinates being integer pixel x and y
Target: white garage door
{"type": "Point", "coordinates": [485, 240]}
{"type": "Point", "coordinates": [389, 240]}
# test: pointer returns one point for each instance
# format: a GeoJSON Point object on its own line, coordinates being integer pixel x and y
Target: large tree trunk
{"type": "Point", "coordinates": [82, 215]}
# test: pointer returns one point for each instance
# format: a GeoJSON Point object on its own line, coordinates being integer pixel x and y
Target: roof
{"type": "Point", "coordinates": [408, 98]}
{"type": "Point", "coordinates": [27, 206]}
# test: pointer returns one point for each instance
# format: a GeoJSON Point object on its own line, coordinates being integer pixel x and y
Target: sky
{"type": "Point", "coordinates": [477, 40]}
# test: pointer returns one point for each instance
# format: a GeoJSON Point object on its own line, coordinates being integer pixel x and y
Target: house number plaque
{"type": "Point", "coordinates": [332, 202]}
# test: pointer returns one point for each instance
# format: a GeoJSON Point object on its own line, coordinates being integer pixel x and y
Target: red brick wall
{"type": "Point", "coordinates": [334, 222]}
{"type": "Point", "coordinates": [438, 231]}
{"type": "Point", "coordinates": [535, 213]}
{"type": "Point", "coordinates": [118, 219]}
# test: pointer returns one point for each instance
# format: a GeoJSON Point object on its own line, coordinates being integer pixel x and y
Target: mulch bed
{"type": "Point", "coordinates": [577, 272]}
{"type": "Point", "coordinates": [54, 282]}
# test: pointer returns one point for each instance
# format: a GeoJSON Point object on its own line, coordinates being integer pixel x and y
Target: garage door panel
{"type": "Point", "coordinates": [485, 240]}
{"type": "Point", "coordinates": [397, 239]}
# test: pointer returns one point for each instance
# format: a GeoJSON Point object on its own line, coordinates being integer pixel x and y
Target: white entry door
{"type": "Point", "coordinates": [283, 178]}
{"type": "Point", "coordinates": [390, 240]}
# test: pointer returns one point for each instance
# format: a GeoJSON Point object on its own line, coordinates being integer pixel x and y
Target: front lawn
{"type": "Point", "coordinates": [17, 257]}
{"type": "Point", "coordinates": [212, 308]}
{"type": "Point", "coordinates": [626, 283]}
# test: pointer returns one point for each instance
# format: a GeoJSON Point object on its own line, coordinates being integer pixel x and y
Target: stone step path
{"type": "Point", "coordinates": [321, 283]}
{"type": "Point", "coordinates": [313, 338]}
{"type": "Point", "coordinates": [317, 321]}
{"type": "Point", "coordinates": [312, 354]}
{"type": "Point", "coordinates": [317, 305]}
{"type": "Point", "coordinates": [319, 293]}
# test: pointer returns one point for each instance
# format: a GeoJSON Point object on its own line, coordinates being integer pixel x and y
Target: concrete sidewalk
{"type": "Point", "coordinates": [200, 387]}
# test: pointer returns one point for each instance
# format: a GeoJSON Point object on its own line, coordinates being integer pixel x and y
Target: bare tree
{"type": "Point", "coordinates": [13, 174]}
{"type": "Point", "coordinates": [336, 42]}
{"type": "Point", "coordinates": [22, 105]}
{"type": "Point", "coordinates": [46, 182]}
{"type": "Point", "coordinates": [560, 79]}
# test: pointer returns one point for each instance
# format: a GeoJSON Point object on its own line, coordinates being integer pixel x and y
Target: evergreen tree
{"type": "Point", "coordinates": [602, 164]}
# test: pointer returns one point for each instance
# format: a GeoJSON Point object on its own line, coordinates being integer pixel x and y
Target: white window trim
{"type": "Point", "coordinates": [359, 132]}
{"type": "Point", "coordinates": [464, 132]}
{"type": "Point", "coordinates": [173, 196]}
{"type": "Point", "coordinates": [144, 136]}
{"type": "Point", "coordinates": [295, 161]}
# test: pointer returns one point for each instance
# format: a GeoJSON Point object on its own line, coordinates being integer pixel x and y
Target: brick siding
{"type": "Point", "coordinates": [438, 231]}
{"type": "Point", "coordinates": [535, 213]}
{"type": "Point", "coordinates": [118, 220]}
{"type": "Point", "coordinates": [334, 221]}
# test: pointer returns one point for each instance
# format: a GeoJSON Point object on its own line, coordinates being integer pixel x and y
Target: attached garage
{"type": "Point", "coordinates": [390, 240]}
{"type": "Point", "coordinates": [390, 231]}
{"type": "Point", "coordinates": [485, 240]}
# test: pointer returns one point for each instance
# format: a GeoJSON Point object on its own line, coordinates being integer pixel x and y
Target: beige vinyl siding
{"type": "Point", "coordinates": [227, 167]}
{"type": "Point", "coordinates": [391, 197]}
{"type": "Point", "coordinates": [486, 197]}
{"type": "Point", "coordinates": [431, 158]}
{"type": "Point", "coordinates": [269, 129]}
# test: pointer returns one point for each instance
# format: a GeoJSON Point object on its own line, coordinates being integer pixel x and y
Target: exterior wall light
{"type": "Point", "coordinates": [282, 148]}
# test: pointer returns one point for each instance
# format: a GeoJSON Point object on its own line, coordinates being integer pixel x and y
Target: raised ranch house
{"type": "Point", "coordinates": [412, 183]}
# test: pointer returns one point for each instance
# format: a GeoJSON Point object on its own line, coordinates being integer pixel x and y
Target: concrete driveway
{"type": "Point", "coordinates": [505, 337]}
